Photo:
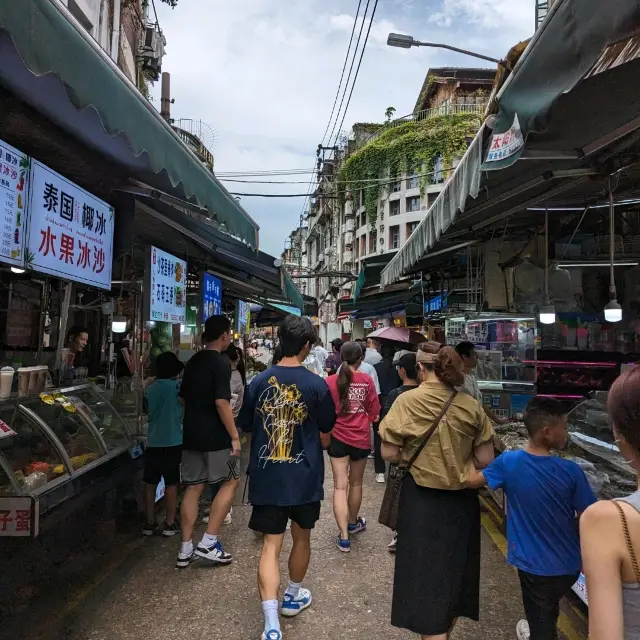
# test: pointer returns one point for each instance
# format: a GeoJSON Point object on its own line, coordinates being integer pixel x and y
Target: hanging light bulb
{"type": "Point", "coordinates": [547, 313]}
{"type": "Point", "coordinates": [119, 324]}
{"type": "Point", "coordinates": [613, 310]}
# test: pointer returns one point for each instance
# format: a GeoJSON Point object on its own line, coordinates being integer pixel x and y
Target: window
{"type": "Point", "coordinates": [396, 186]}
{"type": "Point", "coordinates": [363, 245]}
{"type": "Point", "coordinates": [394, 237]}
{"type": "Point", "coordinates": [363, 219]}
{"type": "Point", "coordinates": [413, 182]}
{"type": "Point", "coordinates": [373, 236]}
{"type": "Point", "coordinates": [411, 227]}
{"type": "Point", "coordinates": [413, 204]}
{"type": "Point", "coordinates": [394, 208]}
{"type": "Point", "coordinates": [431, 198]}
{"type": "Point", "coordinates": [438, 170]}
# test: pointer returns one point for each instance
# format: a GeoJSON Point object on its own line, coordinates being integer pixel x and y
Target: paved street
{"type": "Point", "coordinates": [147, 598]}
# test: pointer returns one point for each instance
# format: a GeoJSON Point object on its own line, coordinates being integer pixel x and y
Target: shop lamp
{"type": "Point", "coordinates": [119, 324]}
{"type": "Point", "coordinates": [547, 310]}
{"type": "Point", "coordinates": [613, 310]}
{"type": "Point", "coordinates": [17, 270]}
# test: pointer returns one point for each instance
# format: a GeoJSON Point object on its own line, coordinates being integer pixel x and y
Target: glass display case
{"type": "Point", "coordinates": [505, 346]}
{"type": "Point", "coordinates": [51, 443]}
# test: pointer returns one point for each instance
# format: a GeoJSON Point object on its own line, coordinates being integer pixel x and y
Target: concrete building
{"type": "Point", "coordinates": [294, 258]}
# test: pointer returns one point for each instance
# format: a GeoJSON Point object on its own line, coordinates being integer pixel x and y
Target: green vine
{"type": "Point", "coordinates": [411, 146]}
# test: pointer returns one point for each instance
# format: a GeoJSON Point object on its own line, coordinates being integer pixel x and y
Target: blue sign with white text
{"type": "Point", "coordinates": [211, 296]}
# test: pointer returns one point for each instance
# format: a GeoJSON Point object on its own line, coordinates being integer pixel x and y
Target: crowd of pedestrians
{"type": "Point", "coordinates": [421, 410]}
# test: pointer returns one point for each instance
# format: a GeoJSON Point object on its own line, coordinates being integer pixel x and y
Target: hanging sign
{"type": "Point", "coordinates": [168, 287]}
{"type": "Point", "coordinates": [211, 296]}
{"type": "Point", "coordinates": [14, 181]}
{"type": "Point", "coordinates": [504, 145]}
{"type": "Point", "coordinates": [242, 317]}
{"type": "Point", "coordinates": [70, 231]}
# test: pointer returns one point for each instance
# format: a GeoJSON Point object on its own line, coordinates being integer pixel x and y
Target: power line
{"type": "Point", "coordinates": [266, 172]}
{"type": "Point", "coordinates": [346, 85]}
{"type": "Point", "coordinates": [344, 66]}
{"type": "Point", "coordinates": [373, 13]}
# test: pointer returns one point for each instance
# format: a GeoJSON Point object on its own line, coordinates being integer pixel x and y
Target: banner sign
{"type": "Point", "coordinates": [70, 230]}
{"type": "Point", "coordinates": [242, 317]}
{"type": "Point", "coordinates": [14, 187]}
{"type": "Point", "coordinates": [211, 296]}
{"type": "Point", "coordinates": [19, 516]}
{"type": "Point", "coordinates": [168, 287]}
{"type": "Point", "coordinates": [504, 145]}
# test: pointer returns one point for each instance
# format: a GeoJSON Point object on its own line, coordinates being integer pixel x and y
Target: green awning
{"type": "Point", "coordinates": [291, 291]}
{"type": "Point", "coordinates": [133, 134]}
{"type": "Point", "coordinates": [570, 41]}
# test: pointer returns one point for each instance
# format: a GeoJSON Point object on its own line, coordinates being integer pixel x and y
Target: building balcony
{"type": "Point", "coordinates": [193, 133]}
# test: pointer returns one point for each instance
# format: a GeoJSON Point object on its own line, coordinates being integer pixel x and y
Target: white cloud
{"type": "Point", "coordinates": [264, 75]}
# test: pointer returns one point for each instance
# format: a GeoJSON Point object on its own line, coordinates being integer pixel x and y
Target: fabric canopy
{"type": "Point", "coordinates": [54, 65]}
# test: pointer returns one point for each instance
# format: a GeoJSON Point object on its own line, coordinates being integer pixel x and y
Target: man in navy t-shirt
{"type": "Point", "coordinates": [286, 408]}
{"type": "Point", "coordinates": [545, 495]}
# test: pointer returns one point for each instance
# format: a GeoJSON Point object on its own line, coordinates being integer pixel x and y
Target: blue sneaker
{"type": "Point", "coordinates": [360, 525]}
{"type": "Point", "coordinates": [293, 606]}
{"type": "Point", "coordinates": [343, 545]}
{"type": "Point", "coordinates": [274, 634]}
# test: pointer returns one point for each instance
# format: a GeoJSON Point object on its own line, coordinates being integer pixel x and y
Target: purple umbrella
{"type": "Point", "coordinates": [398, 334]}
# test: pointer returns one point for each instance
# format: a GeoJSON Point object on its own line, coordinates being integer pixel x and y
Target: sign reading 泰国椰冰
{"type": "Point", "coordinates": [168, 291]}
{"type": "Point", "coordinates": [70, 230]}
{"type": "Point", "coordinates": [14, 187]}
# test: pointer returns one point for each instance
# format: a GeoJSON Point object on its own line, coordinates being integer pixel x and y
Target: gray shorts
{"type": "Point", "coordinates": [209, 467]}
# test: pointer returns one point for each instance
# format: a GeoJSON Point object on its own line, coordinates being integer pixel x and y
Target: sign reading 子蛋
{"type": "Point", "coordinates": [14, 187]}
{"type": "Point", "coordinates": [211, 296]}
{"type": "Point", "coordinates": [70, 230]}
{"type": "Point", "coordinates": [168, 291]}
{"type": "Point", "coordinates": [19, 516]}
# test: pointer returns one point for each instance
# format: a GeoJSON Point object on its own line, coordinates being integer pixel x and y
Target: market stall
{"type": "Point", "coordinates": [506, 351]}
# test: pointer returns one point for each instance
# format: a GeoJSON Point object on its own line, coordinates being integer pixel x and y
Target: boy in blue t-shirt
{"type": "Point", "coordinates": [164, 442]}
{"type": "Point", "coordinates": [546, 495]}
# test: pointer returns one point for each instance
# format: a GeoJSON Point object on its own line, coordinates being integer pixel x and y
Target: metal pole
{"type": "Point", "coordinates": [416, 43]}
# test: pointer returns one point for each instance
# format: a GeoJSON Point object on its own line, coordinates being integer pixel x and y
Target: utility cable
{"type": "Point", "coordinates": [353, 59]}
{"type": "Point", "coordinates": [344, 66]}
{"type": "Point", "coordinates": [373, 13]}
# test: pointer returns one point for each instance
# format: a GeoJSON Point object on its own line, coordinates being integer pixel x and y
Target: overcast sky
{"type": "Point", "coordinates": [264, 73]}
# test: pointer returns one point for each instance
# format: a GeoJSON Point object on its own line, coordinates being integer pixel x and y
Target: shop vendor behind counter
{"type": "Point", "coordinates": [74, 354]}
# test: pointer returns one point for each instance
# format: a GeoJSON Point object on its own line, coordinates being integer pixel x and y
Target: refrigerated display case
{"type": "Point", "coordinates": [58, 445]}
{"type": "Point", "coordinates": [506, 351]}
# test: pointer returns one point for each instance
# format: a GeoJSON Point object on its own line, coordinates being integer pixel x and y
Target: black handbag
{"type": "Point", "coordinates": [398, 472]}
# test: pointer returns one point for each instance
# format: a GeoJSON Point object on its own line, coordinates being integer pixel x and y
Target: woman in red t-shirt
{"type": "Point", "coordinates": [357, 406]}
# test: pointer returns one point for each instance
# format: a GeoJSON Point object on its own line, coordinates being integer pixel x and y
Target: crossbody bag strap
{"type": "Point", "coordinates": [431, 431]}
{"type": "Point", "coordinates": [627, 539]}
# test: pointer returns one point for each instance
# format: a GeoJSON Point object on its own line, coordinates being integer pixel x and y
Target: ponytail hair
{"type": "Point", "coordinates": [351, 353]}
{"type": "Point", "coordinates": [443, 361]}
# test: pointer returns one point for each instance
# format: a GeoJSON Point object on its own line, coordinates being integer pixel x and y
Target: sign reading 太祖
{"type": "Point", "coordinates": [14, 187]}
{"type": "Point", "coordinates": [168, 291]}
{"type": "Point", "coordinates": [504, 145]}
{"type": "Point", "coordinates": [70, 231]}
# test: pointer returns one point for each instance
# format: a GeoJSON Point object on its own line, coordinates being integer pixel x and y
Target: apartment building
{"type": "Point", "coordinates": [294, 258]}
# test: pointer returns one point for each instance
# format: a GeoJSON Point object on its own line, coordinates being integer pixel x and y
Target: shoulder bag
{"type": "Point", "coordinates": [398, 472]}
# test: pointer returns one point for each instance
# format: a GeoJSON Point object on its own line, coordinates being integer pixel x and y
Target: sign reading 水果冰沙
{"type": "Point", "coordinates": [70, 231]}
{"type": "Point", "coordinates": [168, 287]}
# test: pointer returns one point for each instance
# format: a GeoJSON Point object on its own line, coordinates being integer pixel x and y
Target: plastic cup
{"type": "Point", "coordinates": [23, 381]}
{"type": "Point", "coordinates": [6, 381]}
{"type": "Point", "coordinates": [42, 378]}
{"type": "Point", "coordinates": [32, 389]}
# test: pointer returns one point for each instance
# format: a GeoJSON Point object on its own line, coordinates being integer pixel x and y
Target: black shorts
{"type": "Point", "coordinates": [162, 462]}
{"type": "Point", "coordinates": [338, 449]}
{"type": "Point", "coordinates": [273, 520]}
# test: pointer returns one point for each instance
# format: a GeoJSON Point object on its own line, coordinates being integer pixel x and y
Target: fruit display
{"type": "Point", "coordinates": [77, 462]}
{"type": "Point", "coordinates": [161, 339]}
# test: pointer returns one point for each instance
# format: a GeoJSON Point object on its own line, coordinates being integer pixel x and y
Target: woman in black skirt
{"type": "Point", "coordinates": [437, 572]}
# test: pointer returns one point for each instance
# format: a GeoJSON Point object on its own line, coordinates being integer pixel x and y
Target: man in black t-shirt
{"type": "Point", "coordinates": [210, 442]}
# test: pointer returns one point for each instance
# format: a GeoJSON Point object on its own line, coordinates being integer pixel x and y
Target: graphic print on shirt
{"type": "Point", "coordinates": [283, 410]}
{"type": "Point", "coordinates": [357, 397]}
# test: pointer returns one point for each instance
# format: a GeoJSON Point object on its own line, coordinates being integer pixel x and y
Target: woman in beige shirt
{"type": "Point", "coordinates": [437, 571]}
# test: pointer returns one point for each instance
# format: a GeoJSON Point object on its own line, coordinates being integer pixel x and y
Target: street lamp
{"type": "Point", "coordinates": [406, 42]}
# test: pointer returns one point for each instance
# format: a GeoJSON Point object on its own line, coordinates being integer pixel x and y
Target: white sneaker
{"type": "Point", "coordinates": [522, 630]}
{"type": "Point", "coordinates": [227, 518]}
{"type": "Point", "coordinates": [380, 479]}
{"type": "Point", "coordinates": [274, 634]}
{"type": "Point", "coordinates": [391, 547]}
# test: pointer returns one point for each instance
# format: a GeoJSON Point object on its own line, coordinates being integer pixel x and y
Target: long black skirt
{"type": "Point", "coordinates": [437, 574]}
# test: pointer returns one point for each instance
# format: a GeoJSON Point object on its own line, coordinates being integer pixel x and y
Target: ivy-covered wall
{"type": "Point", "coordinates": [409, 147]}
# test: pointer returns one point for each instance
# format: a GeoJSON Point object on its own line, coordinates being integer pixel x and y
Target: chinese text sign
{"type": "Point", "coordinates": [211, 296]}
{"type": "Point", "coordinates": [19, 517]}
{"type": "Point", "coordinates": [14, 181]}
{"type": "Point", "coordinates": [168, 293]}
{"type": "Point", "coordinates": [242, 317]}
{"type": "Point", "coordinates": [70, 230]}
